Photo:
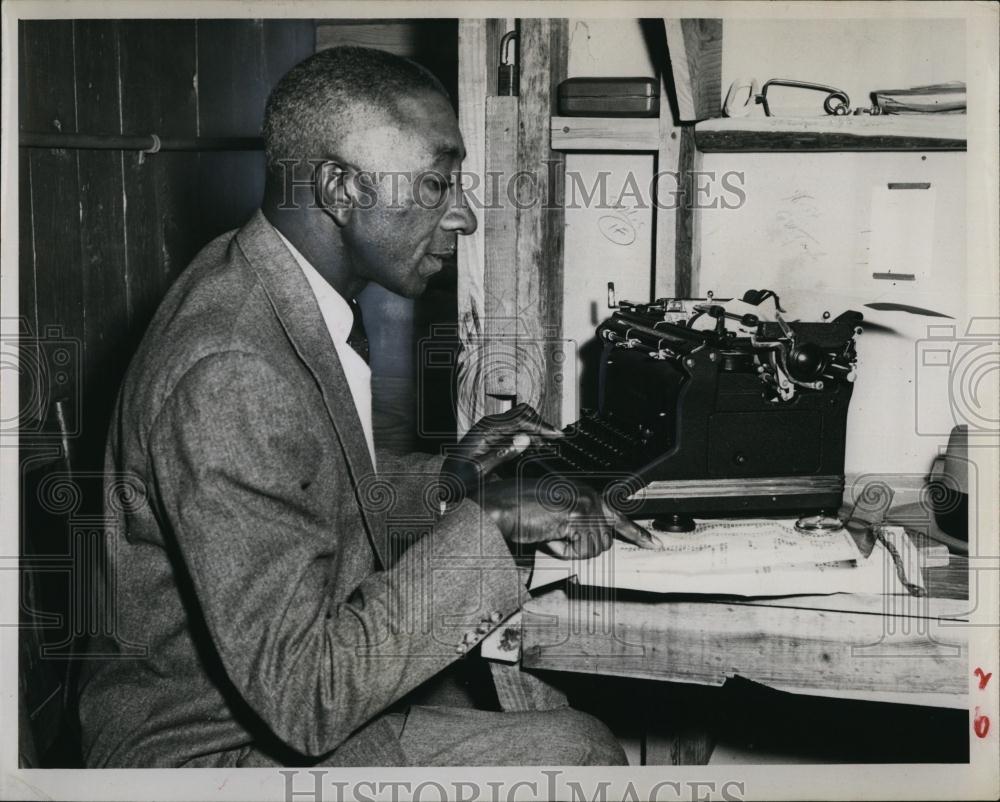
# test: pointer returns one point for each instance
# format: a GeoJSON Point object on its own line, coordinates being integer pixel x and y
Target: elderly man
{"type": "Point", "coordinates": [266, 613]}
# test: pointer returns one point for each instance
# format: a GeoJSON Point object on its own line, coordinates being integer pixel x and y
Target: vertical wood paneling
{"type": "Point", "coordinates": [102, 259]}
{"type": "Point", "coordinates": [479, 52]}
{"type": "Point", "coordinates": [231, 90]}
{"type": "Point", "coordinates": [472, 90]}
{"type": "Point", "coordinates": [231, 97]}
{"type": "Point", "coordinates": [55, 201]}
{"type": "Point", "coordinates": [239, 62]}
{"type": "Point", "coordinates": [285, 44]}
{"type": "Point", "coordinates": [28, 399]}
{"type": "Point", "coordinates": [543, 49]}
{"type": "Point", "coordinates": [430, 42]}
{"type": "Point", "coordinates": [499, 222]}
{"type": "Point", "coordinates": [103, 233]}
{"type": "Point", "coordinates": [538, 253]}
{"type": "Point", "coordinates": [499, 225]}
{"type": "Point", "coordinates": [686, 255]}
{"type": "Point", "coordinates": [696, 62]}
{"type": "Point", "coordinates": [554, 230]}
{"type": "Point", "coordinates": [29, 380]}
{"type": "Point", "coordinates": [114, 228]}
{"type": "Point", "coordinates": [157, 74]}
{"type": "Point", "coordinates": [674, 267]}
{"type": "Point", "coordinates": [47, 80]}
{"type": "Point", "coordinates": [665, 244]}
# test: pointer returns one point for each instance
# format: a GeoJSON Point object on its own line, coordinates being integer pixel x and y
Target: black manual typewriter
{"type": "Point", "coordinates": [747, 416]}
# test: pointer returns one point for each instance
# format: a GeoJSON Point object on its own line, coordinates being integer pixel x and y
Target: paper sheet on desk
{"type": "Point", "coordinates": [738, 558]}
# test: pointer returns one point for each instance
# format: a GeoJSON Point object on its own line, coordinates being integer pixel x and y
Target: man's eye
{"type": "Point", "coordinates": [435, 189]}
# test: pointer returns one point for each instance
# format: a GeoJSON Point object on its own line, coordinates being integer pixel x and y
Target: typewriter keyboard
{"type": "Point", "coordinates": [592, 445]}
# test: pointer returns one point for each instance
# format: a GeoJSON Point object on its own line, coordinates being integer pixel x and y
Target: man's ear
{"type": "Point", "coordinates": [332, 192]}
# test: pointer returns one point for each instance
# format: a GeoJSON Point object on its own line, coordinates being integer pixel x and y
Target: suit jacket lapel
{"type": "Point", "coordinates": [297, 310]}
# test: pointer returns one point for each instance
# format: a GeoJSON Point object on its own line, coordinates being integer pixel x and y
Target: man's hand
{"type": "Point", "coordinates": [568, 519]}
{"type": "Point", "coordinates": [495, 439]}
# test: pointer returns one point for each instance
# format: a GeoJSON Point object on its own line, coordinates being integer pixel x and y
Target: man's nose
{"type": "Point", "coordinates": [460, 219]}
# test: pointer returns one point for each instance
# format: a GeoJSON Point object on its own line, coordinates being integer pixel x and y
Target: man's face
{"type": "Point", "coordinates": [412, 210]}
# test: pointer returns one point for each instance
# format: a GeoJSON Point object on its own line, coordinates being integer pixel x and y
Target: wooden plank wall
{"type": "Point", "coordinates": [430, 42]}
{"type": "Point", "coordinates": [690, 90]}
{"type": "Point", "coordinates": [104, 233]}
{"type": "Point", "coordinates": [544, 51]}
{"type": "Point", "coordinates": [478, 55]}
{"type": "Point", "coordinates": [510, 272]}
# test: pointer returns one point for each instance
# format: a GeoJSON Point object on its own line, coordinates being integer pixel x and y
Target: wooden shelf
{"type": "Point", "coordinates": [767, 134]}
{"type": "Point", "coordinates": [891, 132]}
{"type": "Point", "coordinates": [605, 133]}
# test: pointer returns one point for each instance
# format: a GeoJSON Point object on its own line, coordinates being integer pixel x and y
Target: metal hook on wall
{"type": "Point", "coordinates": [507, 77]}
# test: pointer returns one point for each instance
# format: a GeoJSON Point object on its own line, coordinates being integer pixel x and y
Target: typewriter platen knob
{"type": "Point", "coordinates": [806, 361]}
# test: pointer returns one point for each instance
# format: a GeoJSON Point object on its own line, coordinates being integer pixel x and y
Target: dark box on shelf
{"type": "Point", "coordinates": [609, 97]}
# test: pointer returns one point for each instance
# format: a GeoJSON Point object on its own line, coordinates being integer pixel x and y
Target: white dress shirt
{"type": "Point", "coordinates": [339, 320]}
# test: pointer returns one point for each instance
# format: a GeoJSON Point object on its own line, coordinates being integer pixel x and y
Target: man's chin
{"type": "Point", "coordinates": [413, 288]}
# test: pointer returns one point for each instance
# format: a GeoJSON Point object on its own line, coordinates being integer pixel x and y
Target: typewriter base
{"type": "Point", "coordinates": [787, 495]}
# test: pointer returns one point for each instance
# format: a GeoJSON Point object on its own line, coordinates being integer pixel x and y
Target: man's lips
{"type": "Point", "coordinates": [435, 259]}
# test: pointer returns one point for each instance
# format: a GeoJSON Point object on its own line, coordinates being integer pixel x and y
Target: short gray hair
{"type": "Point", "coordinates": [312, 105]}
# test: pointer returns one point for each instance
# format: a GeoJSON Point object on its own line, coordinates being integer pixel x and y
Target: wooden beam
{"type": "Point", "coordinates": [512, 277]}
{"type": "Point", "coordinates": [471, 249]}
{"type": "Point", "coordinates": [687, 218]}
{"type": "Point", "coordinates": [543, 49]}
{"type": "Point", "coordinates": [499, 223]}
{"type": "Point", "coordinates": [667, 262]}
{"type": "Point", "coordinates": [478, 51]}
{"type": "Point", "coordinates": [696, 63]}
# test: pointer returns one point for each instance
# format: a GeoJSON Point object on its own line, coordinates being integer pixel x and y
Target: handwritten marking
{"type": "Point", "coordinates": [980, 724]}
{"type": "Point", "coordinates": [983, 677]}
{"type": "Point", "coordinates": [617, 229]}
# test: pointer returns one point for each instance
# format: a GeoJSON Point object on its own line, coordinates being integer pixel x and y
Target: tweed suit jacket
{"type": "Point", "coordinates": [263, 611]}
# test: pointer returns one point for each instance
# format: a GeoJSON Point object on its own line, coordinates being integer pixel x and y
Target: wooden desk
{"type": "Point", "coordinates": [899, 649]}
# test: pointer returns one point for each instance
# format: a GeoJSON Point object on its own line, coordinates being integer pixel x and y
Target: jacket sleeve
{"type": "Point", "coordinates": [414, 477]}
{"type": "Point", "coordinates": [233, 457]}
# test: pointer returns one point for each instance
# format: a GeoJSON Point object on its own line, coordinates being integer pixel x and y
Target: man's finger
{"type": "Point", "coordinates": [538, 430]}
{"type": "Point", "coordinates": [605, 537]}
{"type": "Point", "coordinates": [635, 534]}
{"type": "Point", "coordinates": [528, 420]}
{"type": "Point", "coordinates": [519, 442]}
{"type": "Point", "coordinates": [557, 548]}
{"type": "Point", "coordinates": [543, 429]}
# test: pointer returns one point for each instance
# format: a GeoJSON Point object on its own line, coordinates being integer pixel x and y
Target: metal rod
{"type": "Point", "coordinates": [147, 143]}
